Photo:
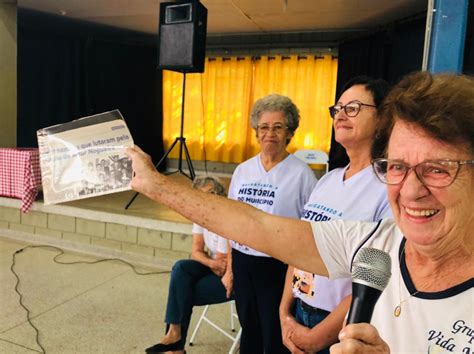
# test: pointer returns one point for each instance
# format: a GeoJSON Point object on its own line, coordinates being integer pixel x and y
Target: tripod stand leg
{"type": "Point", "coordinates": [156, 166]}
{"type": "Point", "coordinates": [182, 144]}
{"type": "Point", "coordinates": [131, 200]}
{"type": "Point", "coordinates": [167, 153]}
{"type": "Point", "coordinates": [188, 161]}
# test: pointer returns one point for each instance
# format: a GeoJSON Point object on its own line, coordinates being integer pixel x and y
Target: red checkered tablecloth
{"type": "Point", "coordinates": [20, 174]}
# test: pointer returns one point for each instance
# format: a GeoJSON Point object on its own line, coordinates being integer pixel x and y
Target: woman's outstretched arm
{"type": "Point", "coordinates": [279, 237]}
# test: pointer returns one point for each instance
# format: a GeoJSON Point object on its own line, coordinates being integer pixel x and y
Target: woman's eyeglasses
{"type": "Point", "coordinates": [432, 173]}
{"type": "Point", "coordinates": [351, 109]}
{"type": "Point", "coordinates": [277, 128]}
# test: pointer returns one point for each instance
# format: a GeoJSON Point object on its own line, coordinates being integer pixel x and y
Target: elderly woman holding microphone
{"type": "Point", "coordinates": [427, 305]}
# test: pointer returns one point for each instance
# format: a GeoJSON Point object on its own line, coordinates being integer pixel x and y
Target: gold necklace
{"type": "Point", "coordinates": [398, 309]}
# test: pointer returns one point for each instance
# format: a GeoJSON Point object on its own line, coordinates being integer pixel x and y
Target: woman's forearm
{"type": "Point", "coordinates": [287, 299]}
{"type": "Point", "coordinates": [229, 257]}
{"type": "Point", "coordinates": [202, 257]}
{"type": "Point", "coordinates": [277, 236]}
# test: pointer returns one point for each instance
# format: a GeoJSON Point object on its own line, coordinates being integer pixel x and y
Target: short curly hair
{"type": "Point", "coordinates": [441, 104]}
{"type": "Point", "coordinates": [201, 181]}
{"type": "Point", "coordinates": [276, 103]}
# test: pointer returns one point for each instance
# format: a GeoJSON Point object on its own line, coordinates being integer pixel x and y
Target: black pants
{"type": "Point", "coordinates": [258, 286]}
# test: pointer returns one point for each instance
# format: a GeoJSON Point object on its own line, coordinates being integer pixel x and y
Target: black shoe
{"type": "Point", "coordinates": [161, 348]}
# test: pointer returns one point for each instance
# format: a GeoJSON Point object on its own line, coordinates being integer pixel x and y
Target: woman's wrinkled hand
{"type": "Point", "coordinates": [143, 169]}
{"type": "Point", "coordinates": [219, 266]}
{"type": "Point", "coordinates": [228, 282]}
{"type": "Point", "coordinates": [289, 327]}
{"type": "Point", "coordinates": [303, 339]}
{"type": "Point", "coordinates": [360, 338]}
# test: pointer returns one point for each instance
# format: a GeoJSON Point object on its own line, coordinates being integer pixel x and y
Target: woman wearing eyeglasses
{"type": "Point", "coordinates": [195, 281]}
{"type": "Point", "coordinates": [313, 307]}
{"type": "Point", "coordinates": [427, 304]}
{"type": "Point", "coordinates": [278, 183]}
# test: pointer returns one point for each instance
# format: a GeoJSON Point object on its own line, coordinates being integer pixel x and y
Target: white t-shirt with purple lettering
{"type": "Point", "coordinates": [281, 191]}
{"type": "Point", "coordinates": [361, 197]}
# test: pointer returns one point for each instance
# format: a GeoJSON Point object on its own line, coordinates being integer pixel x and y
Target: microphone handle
{"type": "Point", "coordinates": [364, 298]}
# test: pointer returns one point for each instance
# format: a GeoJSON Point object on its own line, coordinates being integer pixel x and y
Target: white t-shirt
{"type": "Point", "coordinates": [361, 197]}
{"type": "Point", "coordinates": [213, 242]}
{"type": "Point", "coordinates": [435, 322]}
{"type": "Point", "coordinates": [281, 191]}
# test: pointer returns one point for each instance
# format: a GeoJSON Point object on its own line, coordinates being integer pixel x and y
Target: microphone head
{"type": "Point", "coordinates": [372, 267]}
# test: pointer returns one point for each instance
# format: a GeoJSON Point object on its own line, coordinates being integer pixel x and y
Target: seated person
{"type": "Point", "coordinates": [195, 281]}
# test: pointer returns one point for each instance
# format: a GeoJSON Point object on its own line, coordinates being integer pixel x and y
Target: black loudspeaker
{"type": "Point", "coordinates": [182, 36]}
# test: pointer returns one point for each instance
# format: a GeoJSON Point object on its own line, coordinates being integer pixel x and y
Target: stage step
{"type": "Point", "coordinates": [135, 236]}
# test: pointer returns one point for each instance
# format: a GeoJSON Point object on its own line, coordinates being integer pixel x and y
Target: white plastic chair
{"type": "Point", "coordinates": [311, 157]}
{"type": "Point", "coordinates": [233, 315]}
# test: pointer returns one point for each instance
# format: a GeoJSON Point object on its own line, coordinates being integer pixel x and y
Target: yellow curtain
{"type": "Point", "coordinates": [218, 103]}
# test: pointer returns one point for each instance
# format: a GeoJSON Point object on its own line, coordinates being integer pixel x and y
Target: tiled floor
{"type": "Point", "coordinates": [88, 308]}
{"type": "Point", "coordinates": [91, 308]}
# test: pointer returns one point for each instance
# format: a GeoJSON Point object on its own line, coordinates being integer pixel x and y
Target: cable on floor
{"type": "Point", "coordinates": [56, 260]}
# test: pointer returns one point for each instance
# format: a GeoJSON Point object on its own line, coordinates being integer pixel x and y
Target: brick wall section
{"type": "Point", "coordinates": [181, 242]}
{"type": "Point", "coordinates": [130, 239]}
{"type": "Point", "coordinates": [10, 214]}
{"type": "Point", "coordinates": [154, 238]}
{"type": "Point", "coordinates": [35, 218]}
{"type": "Point", "coordinates": [122, 233]}
{"type": "Point", "coordinates": [90, 227]}
{"type": "Point", "coordinates": [61, 222]}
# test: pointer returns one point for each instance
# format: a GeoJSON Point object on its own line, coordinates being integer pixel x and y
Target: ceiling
{"type": "Point", "coordinates": [230, 17]}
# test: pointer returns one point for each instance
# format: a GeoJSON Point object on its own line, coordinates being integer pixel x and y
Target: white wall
{"type": "Point", "coordinates": [8, 75]}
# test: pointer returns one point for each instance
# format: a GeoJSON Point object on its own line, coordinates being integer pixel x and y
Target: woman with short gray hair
{"type": "Point", "coordinates": [276, 103]}
{"type": "Point", "coordinates": [278, 183]}
{"type": "Point", "coordinates": [200, 182]}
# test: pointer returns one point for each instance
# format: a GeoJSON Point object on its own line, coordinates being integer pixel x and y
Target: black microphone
{"type": "Point", "coordinates": [370, 276]}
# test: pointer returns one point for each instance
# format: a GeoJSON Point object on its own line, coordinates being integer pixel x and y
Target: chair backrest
{"type": "Point", "coordinates": [316, 157]}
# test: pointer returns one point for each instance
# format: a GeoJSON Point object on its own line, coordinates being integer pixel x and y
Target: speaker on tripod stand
{"type": "Point", "coordinates": [182, 47]}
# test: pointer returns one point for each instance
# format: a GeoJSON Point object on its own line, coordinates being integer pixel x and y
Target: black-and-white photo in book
{"type": "Point", "coordinates": [85, 157]}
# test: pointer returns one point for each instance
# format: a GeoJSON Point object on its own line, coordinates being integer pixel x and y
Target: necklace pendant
{"type": "Point", "coordinates": [397, 311]}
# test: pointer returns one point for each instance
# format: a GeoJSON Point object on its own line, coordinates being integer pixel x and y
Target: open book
{"type": "Point", "coordinates": [85, 158]}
